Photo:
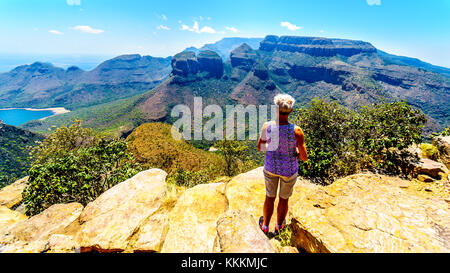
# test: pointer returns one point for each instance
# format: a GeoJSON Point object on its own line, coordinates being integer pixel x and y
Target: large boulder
{"type": "Point", "coordinates": [9, 217]}
{"type": "Point", "coordinates": [192, 222]}
{"type": "Point", "coordinates": [369, 213]}
{"type": "Point", "coordinates": [431, 168]}
{"type": "Point", "coordinates": [57, 219]}
{"type": "Point", "coordinates": [238, 232]}
{"type": "Point", "coordinates": [247, 192]}
{"type": "Point", "coordinates": [108, 223]}
{"type": "Point", "coordinates": [11, 195]}
{"type": "Point", "coordinates": [443, 145]}
{"type": "Point", "coordinates": [152, 233]}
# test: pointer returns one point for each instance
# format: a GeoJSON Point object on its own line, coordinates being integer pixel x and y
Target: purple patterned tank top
{"type": "Point", "coordinates": [281, 160]}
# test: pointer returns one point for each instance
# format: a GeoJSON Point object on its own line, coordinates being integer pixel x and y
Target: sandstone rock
{"type": "Point", "coordinates": [238, 232]}
{"type": "Point", "coordinates": [424, 178]}
{"type": "Point", "coordinates": [316, 46]}
{"type": "Point", "coordinates": [9, 217]}
{"type": "Point", "coordinates": [192, 222]}
{"type": "Point", "coordinates": [210, 62]}
{"type": "Point", "coordinates": [369, 213]}
{"type": "Point", "coordinates": [243, 57]}
{"type": "Point", "coordinates": [152, 233]}
{"type": "Point", "coordinates": [59, 243]}
{"type": "Point", "coordinates": [429, 167]}
{"type": "Point", "coordinates": [11, 195]}
{"type": "Point", "coordinates": [185, 63]}
{"type": "Point", "coordinates": [110, 220]}
{"type": "Point", "coordinates": [56, 219]}
{"type": "Point", "coordinates": [25, 247]}
{"type": "Point", "coordinates": [249, 189]}
{"type": "Point", "coordinates": [443, 145]}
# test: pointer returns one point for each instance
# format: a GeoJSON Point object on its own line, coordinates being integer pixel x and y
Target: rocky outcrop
{"type": "Point", "coordinates": [31, 235]}
{"type": "Point", "coordinates": [443, 145]}
{"type": "Point", "coordinates": [243, 57]}
{"type": "Point", "coordinates": [11, 195]}
{"type": "Point", "coordinates": [109, 222]}
{"type": "Point", "coordinates": [369, 213]}
{"type": "Point", "coordinates": [211, 63]}
{"type": "Point", "coordinates": [360, 213]}
{"type": "Point", "coordinates": [9, 217]}
{"type": "Point", "coordinates": [430, 168]}
{"type": "Point", "coordinates": [184, 63]}
{"type": "Point", "coordinates": [316, 46]}
{"type": "Point", "coordinates": [192, 222]}
{"type": "Point", "coordinates": [239, 233]}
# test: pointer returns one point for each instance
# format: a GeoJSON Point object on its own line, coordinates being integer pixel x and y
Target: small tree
{"type": "Point", "coordinates": [233, 151]}
{"type": "Point", "coordinates": [75, 165]}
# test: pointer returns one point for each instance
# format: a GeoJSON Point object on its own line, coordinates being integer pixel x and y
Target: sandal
{"type": "Point", "coordinates": [279, 230]}
{"type": "Point", "coordinates": [261, 223]}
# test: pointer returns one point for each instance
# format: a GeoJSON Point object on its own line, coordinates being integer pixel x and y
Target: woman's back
{"type": "Point", "coordinates": [282, 160]}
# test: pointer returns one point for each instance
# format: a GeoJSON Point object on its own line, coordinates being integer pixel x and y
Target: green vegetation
{"type": "Point", "coordinates": [75, 164]}
{"type": "Point", "coordinates": [111, 118]}
{"type": "Point", "coordinates": [446, 132]}
{"type": "Point", "coordinates": [341, 141]}
{"type": "Point", "coordinates": [153, 146]}
{"type": "Point", "coordinates": [15, 145]}
{"type": "Point", "coordinates": [429, 151]}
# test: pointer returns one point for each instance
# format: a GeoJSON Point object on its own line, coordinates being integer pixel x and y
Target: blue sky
{"type": "Point", "coordinates": [415, 28]}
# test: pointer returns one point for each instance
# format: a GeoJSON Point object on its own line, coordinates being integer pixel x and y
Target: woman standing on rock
{"type": "Point", "coordinates": [283, 143]}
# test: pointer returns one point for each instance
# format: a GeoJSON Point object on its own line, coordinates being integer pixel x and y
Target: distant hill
{"type": "Point", "coordinates": [42, 85]}
{"type": "Point", "coordinates": [400, 60]}
{"type": "Point", "coordinates": [347, 71]}
{"type": "Point", "coordinates": [14, 151]}
{"type": "Point", "coordinates": [226, 45]}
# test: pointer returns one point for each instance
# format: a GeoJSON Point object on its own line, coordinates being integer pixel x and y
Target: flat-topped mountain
{"type": "Point", "coordinates": [353, 73]}
{"type": "Point", "coordinates": [44, 85]}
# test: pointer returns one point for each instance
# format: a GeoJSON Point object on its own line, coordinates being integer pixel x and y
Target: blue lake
{"type": "Point", "coordinates": [20, 116]}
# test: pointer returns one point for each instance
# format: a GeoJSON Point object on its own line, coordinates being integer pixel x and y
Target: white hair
{"type": "Point", "coordinates": [284, 102]}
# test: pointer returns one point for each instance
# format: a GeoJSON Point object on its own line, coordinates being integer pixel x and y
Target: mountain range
{"type": "Point", "coordinates": [353, 73]}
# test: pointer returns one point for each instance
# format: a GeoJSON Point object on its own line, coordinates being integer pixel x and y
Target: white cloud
{"type": "Point", "coordinates": [88, 29]}
{"type": "Point", "coordinates": [55, 32]}
{"type": "Point", "coordinates": [374, 2]}
{"type": "Point", "coordinates": [162, 27]}
{"type": "Point", "coordinates": [290, 26]}
{"type": "Point", "coordinates": [321, 31]}
{"type": "Point", "coordinates": [232, 29]}
{"type": "Point", "coordinates": [73, 2]}
{"type": "Point", "coordinates": [164, 17]}
{"type": "Point", "coordinates": [195, 28]}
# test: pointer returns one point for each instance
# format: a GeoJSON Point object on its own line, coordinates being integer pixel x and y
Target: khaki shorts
{"type": "Point", "coordinates": [286, 185]}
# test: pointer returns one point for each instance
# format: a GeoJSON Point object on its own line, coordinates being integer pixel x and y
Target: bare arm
{"type": "Point", "coordinates": [301, 146]}
{"type": "Point", "coordinates": [262, 142]}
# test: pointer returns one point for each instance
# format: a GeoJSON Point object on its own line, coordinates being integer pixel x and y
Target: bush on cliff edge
{"type": "Point", "coordinates": [74, 164]}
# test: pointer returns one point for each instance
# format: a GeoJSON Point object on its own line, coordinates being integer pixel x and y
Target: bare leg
{"type": "Point", "coordinates": [282, 210]}
{"type": "Point", "coordinates": [268, 209]}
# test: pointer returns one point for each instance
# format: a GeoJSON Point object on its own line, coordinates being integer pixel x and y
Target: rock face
{"type": "Point", "coordinates": [108, 222]}
{"type": "Point", "coordinates": [431, 168]}
{"type": "Point", "coordinates": [369, 213]}
{"type": "Point", "coordinates": [316, 46]}
{"type": "Point", "coordinates": [32, 234]}
{"type": "Point", "coordinates": [243, 57]}
{"type": "Point", "coordinates": [9, 217]}
{"type": "Point", "coordinates": [210, 62]}
{"type": "Point", "coordinates": [184, 63]}
{"type": "Point", "coordinates": [443, 145]}
{"type": "Point", "coordinates": [192, 222]}
{"type": "Point", "coordinates": [238, 232]}
{"type": "Point", "coordinates": [11, 195]}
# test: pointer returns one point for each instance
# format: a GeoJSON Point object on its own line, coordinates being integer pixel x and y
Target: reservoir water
{"type": "Point", "coordinates": [20, 116]}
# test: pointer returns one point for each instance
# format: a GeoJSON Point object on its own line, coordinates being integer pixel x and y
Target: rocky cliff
{"type": "Point", "coordinates": [360, 213]}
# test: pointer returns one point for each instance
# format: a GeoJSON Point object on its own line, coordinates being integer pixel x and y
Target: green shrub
{"type": "Point", "coordinates": [429, 151]}
{"type": "Point", "coordinates": [189, 179]}
{"type": "Point", "coordinates": [446, 132]}
{"type": "Point", "coordinates": [341, 141]}
{"type": "Point", "coordinates": [77, 172]}
{"type": "Point", "coordinates": [233, 152]}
